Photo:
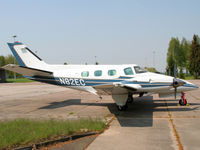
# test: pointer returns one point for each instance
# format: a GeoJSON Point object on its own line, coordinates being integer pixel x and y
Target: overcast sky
{"type": "Point", "coordinates": [116, 31]}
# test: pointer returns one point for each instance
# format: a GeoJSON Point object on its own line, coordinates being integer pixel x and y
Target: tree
{"type": "Point", "coordinates": [10, 59]}
{"type": "Point", "coordinates": [182, 56]}
{"type": "Point", "coordinates": [194, 57]}
{"type": "Point", "coordinates": [173, 55]}
{"type": "Point", "coordinates": [2, 61]}
{"type": "Point", "coordinates": [185, 46]}
{"type": "Point", "coordinates": [150, 69]}
{"type": "Point", "coordinates": [177, 55]}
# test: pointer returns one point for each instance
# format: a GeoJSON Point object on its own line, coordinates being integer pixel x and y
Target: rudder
{"type": "Point", "coordinates": [25, 57]}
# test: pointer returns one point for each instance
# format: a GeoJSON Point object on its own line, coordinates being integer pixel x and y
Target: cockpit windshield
{"type": "Point", "coordinates": [139, 70]}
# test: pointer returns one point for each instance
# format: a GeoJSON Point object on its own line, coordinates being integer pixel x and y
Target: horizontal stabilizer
{"type": "Point", "coordinates": [27, 71]}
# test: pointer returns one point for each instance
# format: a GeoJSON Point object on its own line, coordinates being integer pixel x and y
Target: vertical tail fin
{"type": "Point", "coordinates": [25, 57]}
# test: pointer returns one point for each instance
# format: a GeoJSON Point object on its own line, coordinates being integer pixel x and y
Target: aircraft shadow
{"type": "Point", "coordinates": [70, 102]}
{"type": "Point", "coordinates": [138, 114]}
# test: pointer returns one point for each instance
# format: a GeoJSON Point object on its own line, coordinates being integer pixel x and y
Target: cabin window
{"type": "Point", "coordinates": [85, 73]}
{"type": "Point", "coordinates": [128, 71]}
{"type": "Point", "coordinates": [112, 72]}
{"type": "Point", "coordinates": [98, 73]}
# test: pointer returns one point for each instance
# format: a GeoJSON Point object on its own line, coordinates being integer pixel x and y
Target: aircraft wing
{"type": "Point", "coordinates": [27, 71]}
{"type": "Point", "coordinates": [123, 88]}
{"type": "Point", "coordinates": [117, 88]}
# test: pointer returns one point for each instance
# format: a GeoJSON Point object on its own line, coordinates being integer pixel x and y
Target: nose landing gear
{"type": "Point", "coordinates": [183, 100]}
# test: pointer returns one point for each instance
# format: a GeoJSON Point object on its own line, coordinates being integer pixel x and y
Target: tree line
{"type": "Point", "coordinates": [4, 60]}
{"type": "Point", "coordinates": [183, 57]}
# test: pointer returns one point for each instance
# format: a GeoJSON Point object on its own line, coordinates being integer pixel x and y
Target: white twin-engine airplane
{"type": "Point", "coordinates": [120, 81]}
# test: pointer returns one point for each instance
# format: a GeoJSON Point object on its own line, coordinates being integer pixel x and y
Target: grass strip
{"type": "Point", "coordinates": [191, 78]}
{"type": "Point", "coordinates": [23, 132]}
{"type": "Point", "coordinates": [19, 80]}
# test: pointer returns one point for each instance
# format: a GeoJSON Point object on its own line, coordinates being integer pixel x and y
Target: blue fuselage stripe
{"type": "Point", "coordinates": [96, 82]}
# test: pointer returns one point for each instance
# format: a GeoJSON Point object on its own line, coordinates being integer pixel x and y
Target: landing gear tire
{"type": "Point", "coordinates": [122, 108]}
{"type": "Point", "coordinates": [181, 102]}
{"type": "Point", "coordinates": [130, 99]}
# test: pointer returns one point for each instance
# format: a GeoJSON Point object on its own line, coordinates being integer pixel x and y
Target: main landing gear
{"type": "Point", "coordinates": [183, 100]}
{"type": "Point", "coordinates": [130, 98]}
{"type": "Point", "coordinates": [124, 107]}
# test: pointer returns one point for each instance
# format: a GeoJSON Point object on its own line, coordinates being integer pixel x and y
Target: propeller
{"type": "Point", "coordinates": [176, 83]}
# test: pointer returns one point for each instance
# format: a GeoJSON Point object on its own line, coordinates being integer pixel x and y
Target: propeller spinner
{"type": "Point", "coordinates": [176, 83]}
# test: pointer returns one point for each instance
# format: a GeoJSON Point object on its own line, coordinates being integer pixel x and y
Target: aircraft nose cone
{"type": "Point", "coordinates": [191, 85]}
{"type": "Point", "coordinates": [195, 86]}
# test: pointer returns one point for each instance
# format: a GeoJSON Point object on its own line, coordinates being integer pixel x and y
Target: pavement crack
{"type": "Point", "coordinates": [179, 144]}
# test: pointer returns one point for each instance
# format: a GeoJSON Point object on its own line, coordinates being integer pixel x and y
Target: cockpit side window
{"type": "Point", "coordinates": [128, 71]}
{"type": "Point", "coordinates": [139, 70]}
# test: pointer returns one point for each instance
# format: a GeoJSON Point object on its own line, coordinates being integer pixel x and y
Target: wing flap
{"type": "Point", "coordinates": [27, 71]}
{"type": "Point", "coordinates": [132, 87]}
{"type": "Point", "coordinates": [117, 88]}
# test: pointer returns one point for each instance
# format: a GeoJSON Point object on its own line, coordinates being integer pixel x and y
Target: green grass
{"type": "Point", "coordinates": [19, 80]}
{"type": "Point", "coordinates": [25, 132]}
{"type": "Point", "coordinates": [190, 78]}
{"type": "Point", "coordinates": [71, 113]}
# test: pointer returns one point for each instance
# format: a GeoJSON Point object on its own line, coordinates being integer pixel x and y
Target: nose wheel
{"type": "Point", "coordinates": [183, 100]}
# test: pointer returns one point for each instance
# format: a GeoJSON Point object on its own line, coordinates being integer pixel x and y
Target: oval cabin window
{"type": "Point", "coordinates": [98, 73]}
{"type": "Point", "coordinates": [85, 73]}
{"type": "Point", "coordinates": [112, 72]}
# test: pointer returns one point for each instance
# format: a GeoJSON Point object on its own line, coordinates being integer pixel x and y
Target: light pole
{"type": "Point", "coordinates": [14, 37]}
{"type": "Point", "coordinates": [95, 60]}
{"type": "Point", "coordinates": [154, 58]}
{"type": "Point", "coordinates": [145, 61]}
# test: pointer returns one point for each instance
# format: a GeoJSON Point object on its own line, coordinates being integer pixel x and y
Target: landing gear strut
{"type": "Point", "coordinates": [183, 100]}
{"type": "Point", "coordinates": [130, 98]}
{"type": "Point", "coordinates": [124, 107]}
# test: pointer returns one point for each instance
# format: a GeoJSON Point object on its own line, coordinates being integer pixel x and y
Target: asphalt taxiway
{"type": "Point", "coordinates": [148, 123]}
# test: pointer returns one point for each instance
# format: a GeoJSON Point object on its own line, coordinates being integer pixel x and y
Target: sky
{"type": "Point", "coordinates": [115, 31]}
